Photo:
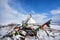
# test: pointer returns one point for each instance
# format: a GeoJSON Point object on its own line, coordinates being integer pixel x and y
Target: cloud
{"type": "Point", "coordinates": [56, 19]}
{"type": "Point", "coordinates": [57, 11]}
{"type": "Point", "coordinates": [10, 15]}
{"type": "Point", "coordinates": [40, 18]}
{"type": "Point", "coordinates": [56, 15]}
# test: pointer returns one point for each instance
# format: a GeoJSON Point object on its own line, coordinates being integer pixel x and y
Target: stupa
{"type": "Point", "coordinates": [31, 22]}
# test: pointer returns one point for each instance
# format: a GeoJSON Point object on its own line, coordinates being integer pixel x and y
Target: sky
{"type": "Point", "coordinates": [14, 11]}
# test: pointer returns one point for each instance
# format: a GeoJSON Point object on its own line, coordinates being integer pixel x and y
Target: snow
{"type": "Point", "coordinates": [55, 27]}
{"type": "Point", "coordinates": [5, 30]}
{"type": "Point", "coordinates": [53, 36]}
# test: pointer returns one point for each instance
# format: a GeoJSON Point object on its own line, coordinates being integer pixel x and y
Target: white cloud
{"type": "Point", "coordinates": [40, 18]}
{"type": "Point", "coordinates": [57, 11]}
{"type": "Point", "coordinates": [56, 19]}
{"type": "Point", "coordinates": [56, 16]}
{"type": "Point", "coordinates": [9, 15]}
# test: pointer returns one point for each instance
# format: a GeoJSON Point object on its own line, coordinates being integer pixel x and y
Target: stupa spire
{"type": "Point", "coordinates": [31, 20]}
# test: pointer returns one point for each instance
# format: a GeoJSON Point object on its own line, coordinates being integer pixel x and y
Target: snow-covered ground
{"type": "Point", "coordinates": [53, 36]}
{"type": "Point", "coordinates": [55, 27]}
{"type": "Point", "coordinates": [5, 30]}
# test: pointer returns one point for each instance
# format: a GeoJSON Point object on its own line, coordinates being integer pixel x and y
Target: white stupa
{"type": "Point", "coordinates": [30, 22]}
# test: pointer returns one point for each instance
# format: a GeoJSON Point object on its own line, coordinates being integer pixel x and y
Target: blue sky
{"type": "Point", "coordinates": [36, 5]}
{"type": "Point", "coordinates": [17, 10]}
